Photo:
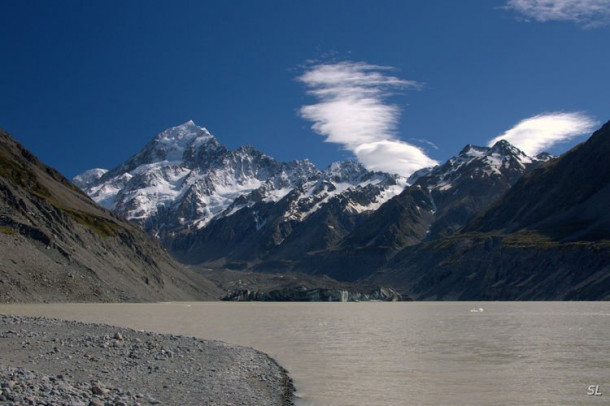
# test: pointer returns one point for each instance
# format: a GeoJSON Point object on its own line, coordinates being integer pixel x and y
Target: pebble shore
{"type": "Point", "coordinates": [53, 362]}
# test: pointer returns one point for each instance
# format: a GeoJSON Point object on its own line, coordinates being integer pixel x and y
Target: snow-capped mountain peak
{"type": "Point", "coordinates": [473, 151]}
{"type": "Point", "coordinates": [544, 156]}
{"type": "Point", "coordinates": [172, 143]}
{"type": "Point", "coordinates": [501, 159]}
{"type": "Point", "coordinates": [184, 178]}
{"type": "Point", "coordinates": [507, 149]}
{"type": "Point", "coordinates": [89, 177]}
{"type": "Point", "coordinates": [345, 170]}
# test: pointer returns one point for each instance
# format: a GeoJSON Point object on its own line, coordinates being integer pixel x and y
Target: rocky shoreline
{"type": "Point", "coordinates": [48, 362]}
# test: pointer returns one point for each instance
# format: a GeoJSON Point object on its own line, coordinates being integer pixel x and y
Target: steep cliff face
{"type": "Point", "coordinates": [58, 245]}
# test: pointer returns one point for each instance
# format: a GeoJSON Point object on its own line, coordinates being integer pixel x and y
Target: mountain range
{"type": "Point", "coordinates": [208, 204]}
{"type": "Point", "coordinates": [491, 223]}
{"type": "Point", "coordinates": [242, 210]}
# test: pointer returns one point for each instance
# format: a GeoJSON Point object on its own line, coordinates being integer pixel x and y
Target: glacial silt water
{"type": "Point", "coordinates": [522, 353]}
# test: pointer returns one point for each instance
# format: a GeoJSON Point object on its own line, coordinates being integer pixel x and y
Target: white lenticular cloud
{"type": "Point", "coordinates": [589, 13]}
{"type": "Point", "coordinates": [539, 133]}
{"type": "Point", "coordinates": [392, 156]}
{"type": "Point", "coordinates": [352, 112]}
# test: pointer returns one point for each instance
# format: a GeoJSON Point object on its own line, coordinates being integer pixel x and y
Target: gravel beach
{"type": "Point", "coordinates": [53, 362]}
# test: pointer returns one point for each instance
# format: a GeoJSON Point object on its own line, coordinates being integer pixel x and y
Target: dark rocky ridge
{"type": "Point", "coordinates": [443, 200]}
{"type": "Point", "coordinates": [500, 267]}
{"type": "Point", "coordinates": [567, 199]}
{"type": "Point", "coordinates": [547, 238]}
{"type": "Point", "coordinates": [58, 245]}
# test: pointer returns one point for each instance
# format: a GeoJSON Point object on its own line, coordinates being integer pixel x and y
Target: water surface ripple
{"type": "Point", "coordinates": [439, 353]}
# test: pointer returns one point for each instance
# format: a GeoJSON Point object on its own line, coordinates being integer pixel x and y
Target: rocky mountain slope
{"type": "Point", "coordinates": [209, 204]}
{"type": "Point", "coordinates": [547, 238]}
{"type": "Point", "coordinates": [566, 200]}
{"type": "Point", "coordinates": [439, 202]}
{"type": "Point", "coordinates": [58, 245]}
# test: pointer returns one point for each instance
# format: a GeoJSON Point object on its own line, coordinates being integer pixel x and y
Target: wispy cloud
{"type": "Point", "coordinates": [588, 13]}
{"type": "Point", "coordinates": [352, 111]}
{"type": "Point", "coordinates": [424, 141]}
{"type": "Point", "coordinates": [539, 133]}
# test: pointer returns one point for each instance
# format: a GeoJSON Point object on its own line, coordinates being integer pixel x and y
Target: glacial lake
{"type": "Point", "coordinates": [410, 353]}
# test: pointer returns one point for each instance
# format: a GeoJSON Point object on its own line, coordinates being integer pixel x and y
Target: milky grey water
{"type": "Point", "coordinates": [399, 353]}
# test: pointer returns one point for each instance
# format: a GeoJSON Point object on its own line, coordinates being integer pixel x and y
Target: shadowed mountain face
{"type": "Point", "coordinates": [547, 238]}
{"type": "Point", "coordinates": [444, 198]}
{"type": "Point", "coordinates": [58, 245]}
{"type": "Point", "coordinates": [568, 199]}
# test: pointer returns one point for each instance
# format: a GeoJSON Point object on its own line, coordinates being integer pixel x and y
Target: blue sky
{"type": "Point", "coordinates": [87, 83]}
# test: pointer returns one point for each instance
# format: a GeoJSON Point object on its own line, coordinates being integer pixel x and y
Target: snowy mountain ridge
{"type": "Point", "coordinates": [501, 159]}
{"type": "Point", "coordinates": [184, 178]}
